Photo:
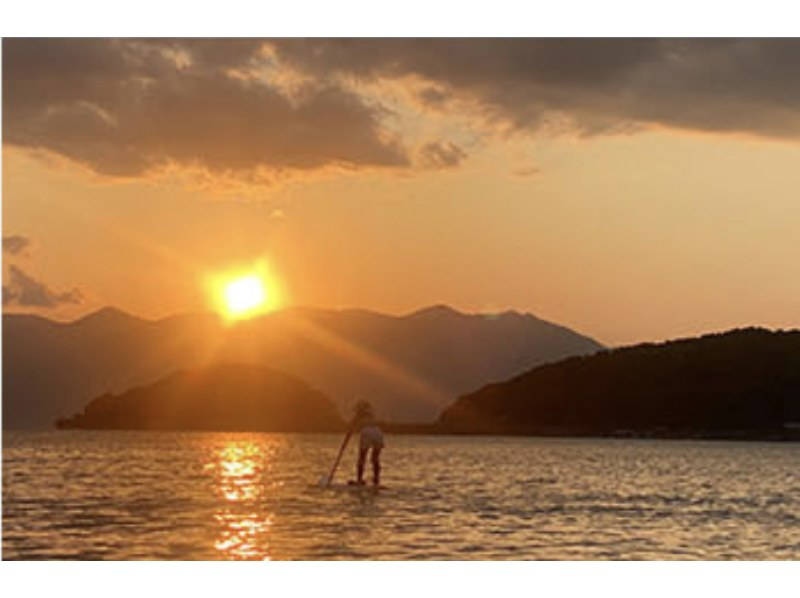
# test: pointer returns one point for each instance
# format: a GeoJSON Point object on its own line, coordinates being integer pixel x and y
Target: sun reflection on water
{"type": "Point", "coordinates": [241, 468]}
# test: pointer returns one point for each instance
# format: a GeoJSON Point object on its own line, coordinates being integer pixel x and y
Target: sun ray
{"type": "Point", "coordinates": [370, 361]}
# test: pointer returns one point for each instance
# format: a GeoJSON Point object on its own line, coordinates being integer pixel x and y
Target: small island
{"type": "Point", "coordinates": [225, 397]}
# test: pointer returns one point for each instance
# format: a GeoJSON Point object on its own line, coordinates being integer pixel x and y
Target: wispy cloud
{"type": "Point", "coordinates": [15, 244]}
{"type": "Point", "coordinates": [24, 291]}
{"type": "Point", "coordinates": [528, 171]}
{"type": "Point", "coordinates": [442, 155]}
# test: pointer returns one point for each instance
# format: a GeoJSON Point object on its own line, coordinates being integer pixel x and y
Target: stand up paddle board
{"type": "Point", "coordinates": [352, 486]}
{"type": "Point", "coordinates": [355, 485]}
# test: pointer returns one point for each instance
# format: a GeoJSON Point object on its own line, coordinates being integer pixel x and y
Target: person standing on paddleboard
{"type": "Point", "coordinates": [370, 441]}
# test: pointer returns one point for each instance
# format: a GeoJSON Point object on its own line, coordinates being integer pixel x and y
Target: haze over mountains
{"type": "Point", "coordinates": [410, 367]}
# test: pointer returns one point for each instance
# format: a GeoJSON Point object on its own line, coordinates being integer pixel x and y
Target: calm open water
{"type": "Point", "coordinates": [158, 495]}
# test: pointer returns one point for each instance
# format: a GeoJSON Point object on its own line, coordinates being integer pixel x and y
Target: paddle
{"type": "Point", "coordinates": [338, 458]}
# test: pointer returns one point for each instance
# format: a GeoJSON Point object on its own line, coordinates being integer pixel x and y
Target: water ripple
{"type": "Point", "coordinates": [130, 495]}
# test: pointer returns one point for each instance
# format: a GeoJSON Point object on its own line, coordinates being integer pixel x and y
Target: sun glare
{"type": "Point", "coordinates": [244, 294]}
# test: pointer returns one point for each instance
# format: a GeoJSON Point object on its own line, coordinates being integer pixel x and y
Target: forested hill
{"type": "Point", "coordinates": [739, 384]}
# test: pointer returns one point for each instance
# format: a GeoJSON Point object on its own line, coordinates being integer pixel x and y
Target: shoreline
{"type": "Point", "coordinates": [434, 429]}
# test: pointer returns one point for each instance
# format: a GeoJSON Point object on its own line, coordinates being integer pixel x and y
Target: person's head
{"type": "Point", "coordinates": [363, 409]}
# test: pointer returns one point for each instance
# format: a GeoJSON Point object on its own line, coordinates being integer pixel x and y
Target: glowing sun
{"type": "Point", "coordinates": [245, 294]}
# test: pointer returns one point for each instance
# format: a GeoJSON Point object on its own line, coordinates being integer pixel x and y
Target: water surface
{"type": "Point", "coordinates": [159, 495]}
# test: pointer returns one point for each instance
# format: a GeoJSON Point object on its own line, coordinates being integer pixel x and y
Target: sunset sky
{"type": "Point", "coordinates": [633, 190]}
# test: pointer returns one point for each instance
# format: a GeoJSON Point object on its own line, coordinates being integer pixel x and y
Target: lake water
{"type": "Point", "coordinates": [158, 495]}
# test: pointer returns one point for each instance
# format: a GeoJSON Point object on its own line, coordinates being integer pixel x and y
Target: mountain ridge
{"type": "Point", "coordinates": [409, 366]}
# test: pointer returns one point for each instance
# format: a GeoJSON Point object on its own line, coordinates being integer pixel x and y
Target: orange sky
{"type": "Point", "coordinates": [591, 191]}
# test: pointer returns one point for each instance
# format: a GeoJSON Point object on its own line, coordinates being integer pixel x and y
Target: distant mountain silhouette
{"type": "Point", "coordinates": [410, 367]}
{"type": "Point", "coordinates": [220, 397]}
{"type": "Point", "coordinates": [743, 383]}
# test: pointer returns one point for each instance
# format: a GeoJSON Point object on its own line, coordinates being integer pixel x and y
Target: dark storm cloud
{"type": "Point", "coordinates": [125, 106]}
{"type": "Point", "coordinates": [15, 244]}
{"type": "Point", "coordinates": [595, 85]}
{"type": "Point", "coordinates": [24, 291]}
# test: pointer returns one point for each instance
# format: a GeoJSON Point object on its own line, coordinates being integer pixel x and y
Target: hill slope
{"type": "Point", "coordinates": [221, 397]}
{"type": "Point", "coordinates": [737, 384]}
{"type": "Point", "coordinates": [410, 367]}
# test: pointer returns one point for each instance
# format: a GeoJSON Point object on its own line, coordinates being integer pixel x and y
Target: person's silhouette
{"type": "Point", "coordinates": [370, 441]}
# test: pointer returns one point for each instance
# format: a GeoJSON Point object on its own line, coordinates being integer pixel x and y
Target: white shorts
{"type": "Point", "coordinates": [371, 438]}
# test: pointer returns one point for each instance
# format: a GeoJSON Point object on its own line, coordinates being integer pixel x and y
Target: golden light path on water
{"type": "Point", "coordinates": [240, 468]}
